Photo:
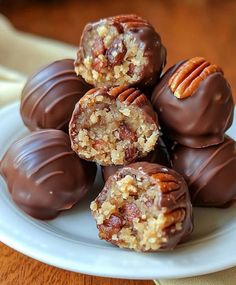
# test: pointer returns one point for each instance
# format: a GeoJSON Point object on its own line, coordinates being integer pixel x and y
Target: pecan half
{"type": "Point", "coordinates": [129, 21]}
{"type": "Point", "coordinates": [128, 95]}
{"type": "Point", "coordinates": [186, 79]}
{"type": "Point", "coordinates": [166, 182]}
{"type": "Point", "coordinates": [174, 217]}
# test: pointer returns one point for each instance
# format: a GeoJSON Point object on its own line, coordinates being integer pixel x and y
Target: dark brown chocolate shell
{"type": "Point", "coordinates": [194, 103]}
{"type": "Point", "coordinates": [209, 172]}
{"type": "Point", "coordinates": [44, 176]}
{"type": "Point", "coordinates": [49, 96]}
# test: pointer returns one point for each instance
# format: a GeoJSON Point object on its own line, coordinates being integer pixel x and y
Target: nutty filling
{"type": "Point", "coordinates": [129, 216]}
{"type": "Point", "coordinates": [110, 132]}
{"type": "Point", "coordinates": [110, 56]}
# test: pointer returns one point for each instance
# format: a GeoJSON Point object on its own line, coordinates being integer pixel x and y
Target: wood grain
{"type": "Point", "coordinates": [188, 28]}
{"type": "Point", "coordinates": [17, 269]}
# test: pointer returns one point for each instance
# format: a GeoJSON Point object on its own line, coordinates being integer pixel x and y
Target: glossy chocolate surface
{"type": "Point", "coordinates": [44, 176]}
{"type": "Point", "coordinates": [158, 155]}
{"type": "Point", "coordinates": [199, 120]}
{"type": "Point", "coordinates": [210, 172]}
{"type": "Point", "coordinates": [147, 38]}
{"type": "Point", "coordinates": [49, 96]}
{"type": "Point", "coordinates": [173, 196]}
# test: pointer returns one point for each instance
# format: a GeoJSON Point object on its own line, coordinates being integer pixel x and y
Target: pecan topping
{"type": "Point", "coordinates": [167, 182]}
{"type": "Point", "coordinates": [128, 95]}
{"type": "Point", "coordinates": [174, 217]}
{"type": "Point", "coordinates": [185, 81]}
{"type": "Point", "coordinates": [129, 21]}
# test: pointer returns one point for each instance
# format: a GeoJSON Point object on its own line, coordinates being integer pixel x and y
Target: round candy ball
{"type": "Point", "coordinates": [44, 176]}
{"type": "Point", "coordinates": [194, 103]}
{"type": "Point", "coordinates": [49, 96]}
{"type": "Point", "coordinates": [120, 50]}
{"type": "Point", "coordinates": [209, 172]}
{"type": "Point", "coordinates": [144, 207]}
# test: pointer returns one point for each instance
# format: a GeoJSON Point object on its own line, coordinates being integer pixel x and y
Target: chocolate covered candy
{"type": "Point", "coordinates": [49, 96]}
{"type": "Point", "coordinates": [194, 103]}
{"type": "Point", "coordinates": [158, 155]}
{"type": "Point", "coordinates": [144, 207]}
{"type": "Point", "coordinates": [210, 172]}
{"type": "Point", "coordinates": [113, 126]}
{"type": "Point", "coordinates": [44, 176]}
{"type": "Point", "coordinates": [121, 50]}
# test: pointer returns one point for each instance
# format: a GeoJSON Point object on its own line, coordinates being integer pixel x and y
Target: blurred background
{"type": "Point", "coordinates": [188, 27]}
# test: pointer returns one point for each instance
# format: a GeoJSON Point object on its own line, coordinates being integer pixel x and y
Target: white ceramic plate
{"type": "Point", "coordinates": [71, 242]}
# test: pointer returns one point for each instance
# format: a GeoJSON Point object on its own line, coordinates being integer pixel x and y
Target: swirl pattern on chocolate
{"type": "Point", "coordinates": [44, 176]}
{"type": "Point", "coordinates": [50, 95]}
{"type": "Point", "coordinates": [209, 172]}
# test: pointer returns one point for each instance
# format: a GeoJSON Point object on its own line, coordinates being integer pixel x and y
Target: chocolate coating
{"type": "Point", "coordinates": [141, 32]}
{"type": "Point", "coordinates": [159, 155]}
{"type": "Point", "coordinates": [147, 194]}
{"type": "Point", "coordinates": [199, 120]}
{"type": "Point", "coordinates": [105, 118]}
{"type": "Point", "coordinates": [44, 176]}
{"type": "Point", "coordinates": [49, 96]}
{"type": "Point", "coordinates": [210, 172]}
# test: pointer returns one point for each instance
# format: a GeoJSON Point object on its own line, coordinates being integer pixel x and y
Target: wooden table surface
{"type": "Point", "coordinates": [188, 28]}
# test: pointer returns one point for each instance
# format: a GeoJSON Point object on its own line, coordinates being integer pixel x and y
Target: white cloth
{"type": "Point", "coordinates": [22, 54]}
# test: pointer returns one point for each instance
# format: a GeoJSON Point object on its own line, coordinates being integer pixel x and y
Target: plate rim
{"type": "Point", "coordinates": [9, 239]}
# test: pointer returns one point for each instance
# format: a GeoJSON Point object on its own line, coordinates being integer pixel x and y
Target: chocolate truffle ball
{"type": "Point", "coordinates": [210, 172]}
{"type": "Point", "coordinates": [144, 207]}
{"type": "Point", "coordinates": [113, 126]}
{"type": "Point", "coordinates": [44, 176]}
{"type": "Point", "coordinates": [194, 103]}
{"type": "Point", "coordinates": [49, 96]}
{"type": "Point", "coordinates": [121, 50]}
{"type": "Point", "coordinates": [159, 155]}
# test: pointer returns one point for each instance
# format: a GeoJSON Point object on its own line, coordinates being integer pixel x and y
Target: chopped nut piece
{"type": "Point", "coordinates": [132, 223]}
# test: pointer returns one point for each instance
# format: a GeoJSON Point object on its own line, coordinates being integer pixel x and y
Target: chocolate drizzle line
{"type": "Point", "coordinates": [211, 174]}
{"type": "Point", "coordinates": [44, 94]}
{"type": "Point", "coordinates": [198, 172]}
{"type": "Point", "coordinates": [54, 76]}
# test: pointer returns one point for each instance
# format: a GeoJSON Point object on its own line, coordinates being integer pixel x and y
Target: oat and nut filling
{"type": "Point", "coordinates": [128, 215]}
{"type": "Point", "coordinates": [110, 132]}
{"type": "Point", "coordinates": [110, 57]}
